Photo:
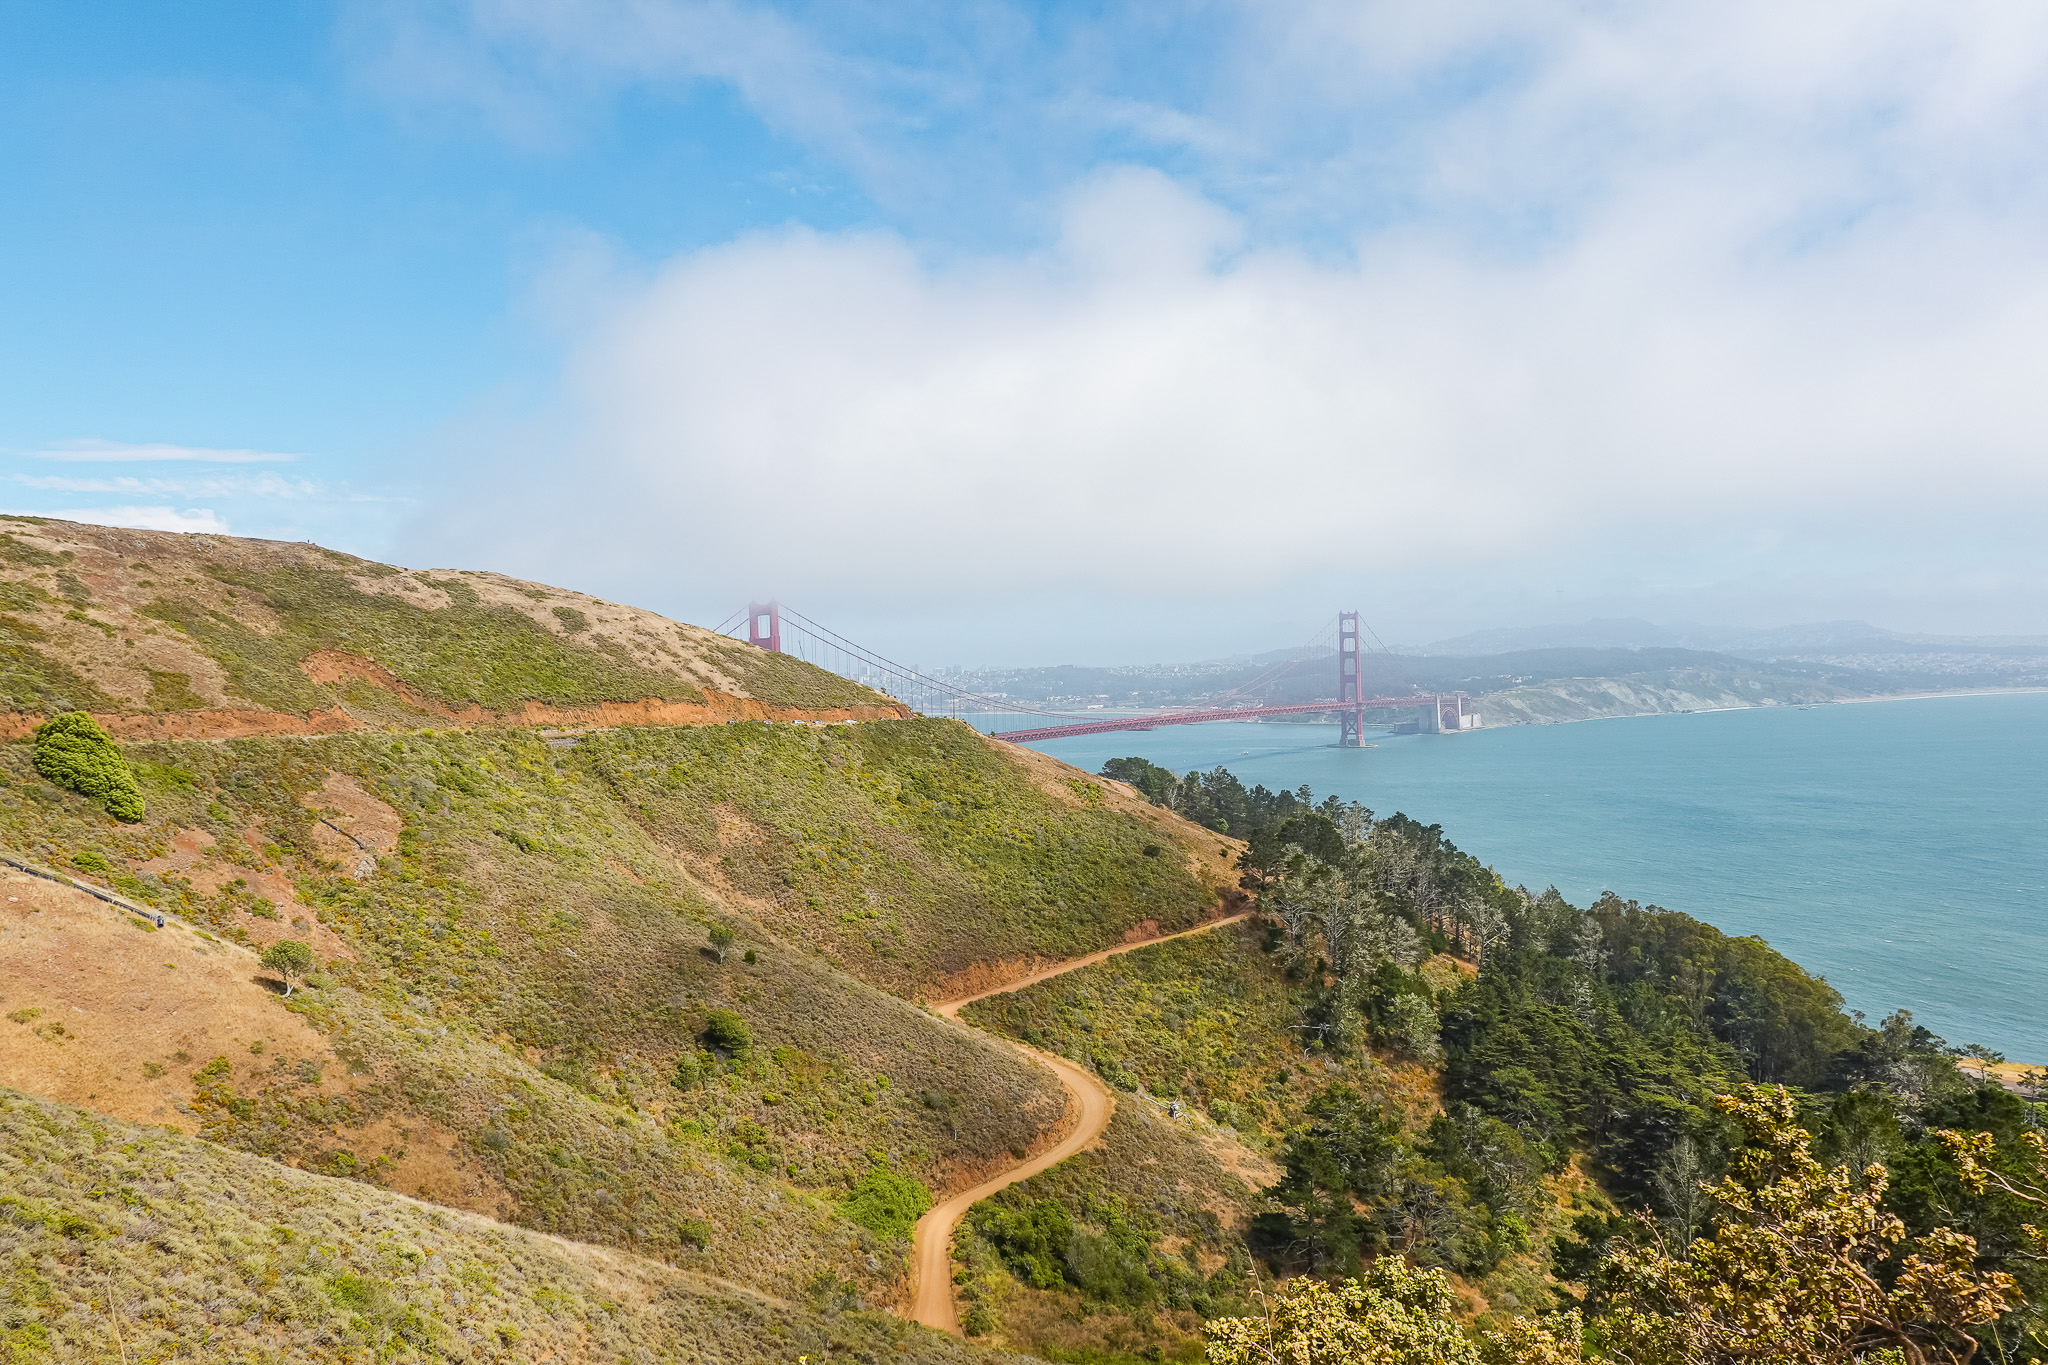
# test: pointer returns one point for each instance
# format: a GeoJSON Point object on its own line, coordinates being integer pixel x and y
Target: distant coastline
{"type": "Point", "coordinates": [1479, 705]}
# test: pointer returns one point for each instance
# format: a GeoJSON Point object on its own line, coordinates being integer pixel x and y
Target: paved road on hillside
{"type": "Point", "coordinates": [932, 1242]}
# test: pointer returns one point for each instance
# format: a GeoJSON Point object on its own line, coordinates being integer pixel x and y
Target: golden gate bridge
{"type": "Point", "coordinates": [1340, 648]}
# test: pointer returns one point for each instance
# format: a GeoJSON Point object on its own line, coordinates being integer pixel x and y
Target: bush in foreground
{"type": "Point", "coordinates": [1792, 1274]}
{"type": "Point", "coordinates": [1394, 1314]}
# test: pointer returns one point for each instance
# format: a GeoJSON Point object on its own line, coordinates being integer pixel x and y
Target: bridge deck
{"type": "Point", "coordinates": [1153, 722]}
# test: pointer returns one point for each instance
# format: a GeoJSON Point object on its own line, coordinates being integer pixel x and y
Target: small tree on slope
{"type": "Point", "coordinates": [290, 959]}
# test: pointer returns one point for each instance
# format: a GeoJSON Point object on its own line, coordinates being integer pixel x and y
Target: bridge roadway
{"type": "Point", "coordinates": [1152, 722]}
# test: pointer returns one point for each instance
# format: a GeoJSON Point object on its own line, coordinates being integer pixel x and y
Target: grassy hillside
{"type": "Point", "coordinates": [1211, 1021]}
{"type": "Point", "coordinates": [525, 972]}
{"type": "Point", "coordinates": [517, 973]}
{"type": "Point", "coordinates": [142, 623]}
{"type": "Point", "coordinates": [912, 850]}
{"type": "Point", "coordinates": [120, 1241]}
{"type": "Point", "coordinates": [1164, 1212]}
{"type": "Point", "coordinates": [648, 986]}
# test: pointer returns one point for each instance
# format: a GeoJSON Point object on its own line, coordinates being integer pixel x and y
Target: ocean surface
{"type": "Point", "coordinates": [1900, 849]}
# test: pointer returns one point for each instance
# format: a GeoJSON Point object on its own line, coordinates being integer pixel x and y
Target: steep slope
{"type": "Point", "coordinates": [1204, 1040]}
{"type": "Point", "coordinates": [124, 1242]}
{"type": "Point", "coordinates": [934, 1303]}
{"type": "Point", "coordinates": [519, 997]}
{"type": "Point", "coordinates": [165, 635]}
{"type": "Point", "coordinates": [516, 985]}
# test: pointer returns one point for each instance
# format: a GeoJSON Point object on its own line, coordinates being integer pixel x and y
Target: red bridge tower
{"type": "Point", "coordinates": [1350, 682]}
{"type": "Point", "coordinates": [764, 625]}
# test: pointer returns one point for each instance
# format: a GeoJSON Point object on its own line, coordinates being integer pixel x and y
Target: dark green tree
{"type": "Point", "coordinates": [727, 1032]}
{"type": "Point", "coordinates": [72, 751]}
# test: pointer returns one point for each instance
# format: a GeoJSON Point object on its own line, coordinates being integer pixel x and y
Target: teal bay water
{"type": "Point", "coordinates": [1898, 848]}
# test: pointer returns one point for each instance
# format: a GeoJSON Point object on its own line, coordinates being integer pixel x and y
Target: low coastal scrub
{"type": "Point", "coordinates": [1209, 1021]}
{"type": "Point", "coordinates": [468, 651]}
{"type": "Point", "coordinates": [1119, 1252]}
{"type": "Point", "coordinates": [887, 1204]}
{"type": "Point", "coordinates": [914, 849]}
{"type": "Point", "coordinates": [126, 1242]}
{"type": "Point", "coordinates": [553, 1001]}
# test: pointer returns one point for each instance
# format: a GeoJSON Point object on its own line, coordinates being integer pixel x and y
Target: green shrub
{"type": "Point", "coordinates": [72, 751]}
{"type": "Point", "coordinates": [694, 1233]}
{"type": "Point", "coordinates": [1114, 1071]}
{"type": "Point", "coordinates": [887, 1203]}
{"type": "Point", "coordinates": [89, 861]}
{"type": "Point", "coordinates": [727, 1032]}
{"type": "Point", "coordinates": [164, 774]}
{"type": "Point", "coordinates": [1032, 1241]}
{"type": "Point", "coordinates": [359, 1294]}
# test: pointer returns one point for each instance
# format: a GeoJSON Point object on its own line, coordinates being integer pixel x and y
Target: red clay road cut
{"type": "Point", "coordinates": [932, 1242]}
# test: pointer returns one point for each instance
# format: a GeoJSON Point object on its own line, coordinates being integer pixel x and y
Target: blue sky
{"type": "Point", "coordinates": [1009, 332]}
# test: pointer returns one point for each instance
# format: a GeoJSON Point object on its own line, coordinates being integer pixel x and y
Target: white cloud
{"type": "Point", "coordinates": [523, 65]}
{"type": "Point", "coordinates": [264, 485]}
{"type": "Point", "coordinates": [192, 519]}
{"type": "Point", "coordinates": [1127, 413]}
{"type": "Point", "coordinates": [1653, 300]}
{"type": "Point", "coordinates": [121, 452]}
{"type": "Point", "coordinates": [214, 487]}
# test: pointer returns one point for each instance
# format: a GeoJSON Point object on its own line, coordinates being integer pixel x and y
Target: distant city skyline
{"type": "Point", "coordinates": [1040, 332]}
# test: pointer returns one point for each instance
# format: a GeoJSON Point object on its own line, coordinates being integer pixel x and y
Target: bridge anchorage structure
{"type": "Point", "coordinates": [774, 627]}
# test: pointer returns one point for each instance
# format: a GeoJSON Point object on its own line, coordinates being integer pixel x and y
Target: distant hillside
{"type": "Point", "coordinates": [1531, 686]}
{"type": "Point", "coordinates": [1651, 692]}
{"type": "Point", "coordinates": [1624, 633]}
{"type": "Point", "coordinates": [1722, 666]}
{"type": "Point", "coordinates": [1610, 673]}
{"type": "Point", "coordinates": [166, 635]}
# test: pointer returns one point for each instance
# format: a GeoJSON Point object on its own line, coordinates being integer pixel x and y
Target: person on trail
{"type": "Point", "coordinates": [159, 921]}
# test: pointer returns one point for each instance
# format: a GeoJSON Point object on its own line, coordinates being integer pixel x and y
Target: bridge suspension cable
{"type": "Point", "coordinates": [795, 633]}
{"type": "Point", "coordinates": [1320, 650]}
{"type": "Point", "coordinates": [785, 630]}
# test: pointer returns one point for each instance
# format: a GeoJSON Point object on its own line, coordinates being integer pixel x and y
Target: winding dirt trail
{"type": "Point", "coordinates": [932, 1242]}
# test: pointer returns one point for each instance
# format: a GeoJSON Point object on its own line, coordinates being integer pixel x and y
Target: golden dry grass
{"type": "Point", "coordinates": [125, 1242]}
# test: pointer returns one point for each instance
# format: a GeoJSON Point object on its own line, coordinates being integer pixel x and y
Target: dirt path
{"type": "Point", "coordinates": [932, 1242]}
